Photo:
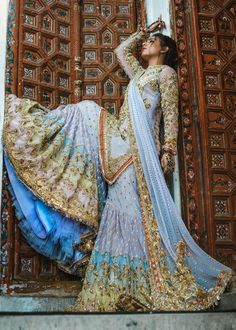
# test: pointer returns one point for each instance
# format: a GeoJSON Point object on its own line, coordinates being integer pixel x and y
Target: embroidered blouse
{"type": "Point", "coordinates": [154, 79]}
{"type": "Point", "coordinates": [158, 86]}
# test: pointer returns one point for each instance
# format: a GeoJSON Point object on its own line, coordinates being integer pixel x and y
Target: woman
{"type": "Point", "coordinates": [143, 257]}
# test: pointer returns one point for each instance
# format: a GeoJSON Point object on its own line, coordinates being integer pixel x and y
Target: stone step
{"type": "Point", "coordinates": [118, 321]}
{"type": "Point", "coordinates": [16, 304]}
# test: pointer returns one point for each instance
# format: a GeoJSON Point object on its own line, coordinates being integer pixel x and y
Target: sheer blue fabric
{"type": "Point", "coordinates": [46, 230]}
{"type": "Point", "coordinates": [170, 224]}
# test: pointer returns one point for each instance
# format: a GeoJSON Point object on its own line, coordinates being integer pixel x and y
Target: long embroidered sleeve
{"type": "Point", "coordinates": [169, 104]}
{"type": "Point", "coordinates": [127, 60]}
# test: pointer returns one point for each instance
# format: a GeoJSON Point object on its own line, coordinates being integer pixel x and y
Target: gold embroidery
{"type": "Point", "coordinates": [146, 103]}
{"type": "Point", "coordinates": [170, 291]}
{"type": "Point", "coordinates": [155, 85]}
{"type": "Point", "coordinates": [169, 104]}
{"type": "Point", "coordinates": [110, 126]}
{"type": "Point", "coordinates": [86, 242]}
{"type": "Point", "coordinates": [150, 77]}
{"type": "Point", "coordinates": [125, 56]}
{"type": "Point", "coordinates": [110, 287]}
{"type": "Point", "coordinates": [111, 167]}
{"type": "Point", "coordinates": [72, 182]}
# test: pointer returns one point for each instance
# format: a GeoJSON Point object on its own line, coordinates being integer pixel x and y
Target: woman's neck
{"type": "Point", "coordinates": [156, 61]}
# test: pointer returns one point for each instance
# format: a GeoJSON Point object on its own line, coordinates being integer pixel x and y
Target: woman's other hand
{"type": "Point", "coordinates": [168, 162]}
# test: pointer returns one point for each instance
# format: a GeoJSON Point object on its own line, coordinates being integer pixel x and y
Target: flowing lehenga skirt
{"type": "Point", "coordinates": [48, 231]}
{"type": "Point", "coordinates": [119, 274]}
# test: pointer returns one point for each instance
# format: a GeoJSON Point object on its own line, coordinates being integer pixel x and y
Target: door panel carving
{"type": "Point", "coordinates": [208, 99]}
{"type": "Point", "coordinates": [218, 69]}
{"type": "Point", "coordinates": [104, 26]}
{"type": "Point", "coordinates": [46, 51]}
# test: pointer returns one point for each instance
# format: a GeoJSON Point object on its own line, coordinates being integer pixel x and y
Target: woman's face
{"type": "Point", "coordinates": [151, 48]}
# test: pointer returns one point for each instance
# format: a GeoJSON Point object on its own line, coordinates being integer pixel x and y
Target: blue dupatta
{"type": "Point", "coordinates": [170, 225]}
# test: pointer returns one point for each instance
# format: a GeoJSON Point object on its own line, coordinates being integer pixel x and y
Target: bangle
{"type": "Point", "coordinates": [144, 33]}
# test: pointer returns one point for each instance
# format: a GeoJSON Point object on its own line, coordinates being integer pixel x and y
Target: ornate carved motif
{"type": "Point", "coordinates": [217, 140]}
{"type": "Point", "coordinates": [207, 6]}
{"type": "Point", "coordinates": [206, 24]}
{"type": "Point", "coordinates": [223, 184]}
{"type": "Point", "coordinates": [221, 207]}
{"type": "Point", "coordinates": [105, 25]}
{"type": "Point", "coordinates": [187, 132]}
{"type": "Point", "coordinates": [218, 121]}
{"type": "Point", "coordinates": [47, 48]}
{"type": "Point", "coordinates": [223, 232]}
{"type": "Point", "coordinates": [218, 161]}
{"type": "Point", "coordinates": [214, 30]}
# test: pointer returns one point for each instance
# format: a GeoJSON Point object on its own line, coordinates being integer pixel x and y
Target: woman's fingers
{"type": "Point", "coordinates": [168, 163]}
{"type": "Point", "coordinates": [155, 26]}
{"type": "Point", "coordinates": [163, 161]}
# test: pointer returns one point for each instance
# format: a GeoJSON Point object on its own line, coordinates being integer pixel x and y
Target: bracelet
{"type": "Point", "coordinates": [146, 32]}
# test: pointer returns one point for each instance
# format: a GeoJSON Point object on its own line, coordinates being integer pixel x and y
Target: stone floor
{"type": "Point", "coordinates": [27, 312]}
{"type": "Point", "coordinates": [55, 304]}
{"type": "Point", "coordinates": [163, 321]}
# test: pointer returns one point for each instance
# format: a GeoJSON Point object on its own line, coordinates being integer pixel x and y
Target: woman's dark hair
{"type": "Point", "coordinates": [171, 57]}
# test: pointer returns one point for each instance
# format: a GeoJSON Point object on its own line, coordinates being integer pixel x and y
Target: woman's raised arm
{"type": "Point", "coordinates": [127, 60]}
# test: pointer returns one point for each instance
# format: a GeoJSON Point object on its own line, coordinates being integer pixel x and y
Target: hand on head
{"type": "Point", "coordinates": [155, 26]}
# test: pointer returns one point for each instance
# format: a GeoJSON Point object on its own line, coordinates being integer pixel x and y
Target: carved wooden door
{"type": "Point", "coordinates": [216, 23]}
{"type": "Point", "coordinates": [59, 52]}
{"type": "Point", "coordinates": [206, 34]}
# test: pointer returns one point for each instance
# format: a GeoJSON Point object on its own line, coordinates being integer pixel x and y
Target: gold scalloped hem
{"type": "Point", "coordinates": [81, 217]}
{"type": "Point", "coordinates": [208, 301]}
{"type": "Point", "coordinates": [128, 303]}
{"type": "Point", "coordinates": [40, 188]}
{"type": "Point", "coordinates": [109, 286]}
{"type": "Point", "coordinates": [171, 291]}
{"type": "Point", "coordinates": [123, 302]}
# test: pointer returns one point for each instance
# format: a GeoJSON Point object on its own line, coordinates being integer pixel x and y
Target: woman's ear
{"type": "Point", "coordinates": [165, 49]}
